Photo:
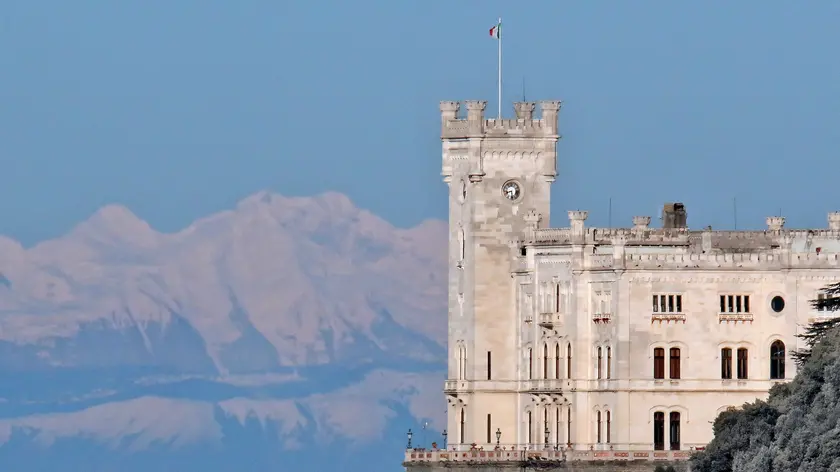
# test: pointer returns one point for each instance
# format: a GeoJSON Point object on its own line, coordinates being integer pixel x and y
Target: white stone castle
{"type": "Point", "coordinates": [605, 339]}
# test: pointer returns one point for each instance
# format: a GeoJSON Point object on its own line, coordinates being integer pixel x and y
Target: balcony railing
{"type": "Point", "coordinates": [667, 317]}
{"type": "Point", "coordinates": [550, 320]}
{"type": "Point", "coordinates": [735, 317]}
{"type": "Point", "coordinates": [455, 386]}
{"type": "Point", "coordinates": [602, 317]}
{"type": "Point", "coordinates": [525, 454]}
{"type": "Point", "coordinates": [545, 385]}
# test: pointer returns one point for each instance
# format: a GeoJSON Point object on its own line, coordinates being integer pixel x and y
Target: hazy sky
{"type": "Point", "coordinates": [178, 109]}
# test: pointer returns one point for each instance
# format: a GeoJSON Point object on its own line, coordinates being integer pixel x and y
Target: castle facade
{"type": "Point", "coordinates": [579, 338]}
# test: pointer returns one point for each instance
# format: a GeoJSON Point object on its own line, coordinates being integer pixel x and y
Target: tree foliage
{"type": "Point", "coordinates": [798, 428]}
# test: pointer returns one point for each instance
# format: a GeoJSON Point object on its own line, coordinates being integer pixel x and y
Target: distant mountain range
{"type": "Point", "coordinates": [277, 329]}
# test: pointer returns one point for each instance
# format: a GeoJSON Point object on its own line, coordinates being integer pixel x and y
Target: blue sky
{"type": "Point", "coordinates": [179, 109]}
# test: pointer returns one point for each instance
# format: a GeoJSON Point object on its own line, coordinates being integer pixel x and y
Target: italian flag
{"type": "Point", "coordinates": [496, 31]}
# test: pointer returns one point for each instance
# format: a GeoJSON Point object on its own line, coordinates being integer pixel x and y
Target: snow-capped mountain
{"type": "Point", "coordinates": [305, 317]}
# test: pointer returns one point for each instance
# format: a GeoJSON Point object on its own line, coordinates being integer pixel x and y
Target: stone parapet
{"type": "Point", "coordinates": [562, 458]}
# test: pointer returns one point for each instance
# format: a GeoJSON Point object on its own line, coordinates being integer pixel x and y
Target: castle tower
{"type": "Point", "coordinates": [499, 174]}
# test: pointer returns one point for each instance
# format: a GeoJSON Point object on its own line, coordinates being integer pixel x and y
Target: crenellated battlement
{"type": "Point", "coordinates": [641, 247]}
{"type": "Point", "coordinates": [474, 124]}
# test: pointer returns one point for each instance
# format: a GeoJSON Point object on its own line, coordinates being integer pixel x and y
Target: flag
{"type": "Point", "coordinates": [496, 31]}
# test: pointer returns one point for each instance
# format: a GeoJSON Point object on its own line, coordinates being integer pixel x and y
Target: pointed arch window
{"type": "Point", "coordinates": [675, 430]}
{"type": "Point", "coordinates": [600, 363]}
{"type": "Point", "coordinates": [659, 431]}
{"type": "Point", "coordinates": [463, 425]}
{"type": "Point", "coordinates": [609, 421]}
{"type": "Point", "coordinates": [609, 363]}
{"type": "Point", "coordinates": [598, 426]}
{"type": "Point", "coordinates": [777, 360]}
{"type": "Point", "coordinates": [569, 361]}
{"type": "Point", "coordinates": [557, 361]}
{"type": "Point", "coordinates": [545, 361]}
{"type": "Point", "coordinates": [530, 429]}
{"type": "Point", "coordinates": [530, 363]}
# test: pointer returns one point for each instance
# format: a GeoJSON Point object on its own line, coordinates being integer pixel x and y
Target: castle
{"type": "Point", "coordinates": [603, 343]}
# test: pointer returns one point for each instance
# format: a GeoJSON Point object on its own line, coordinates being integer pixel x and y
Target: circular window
{"type": "Point", "coordinates": [777, 304]}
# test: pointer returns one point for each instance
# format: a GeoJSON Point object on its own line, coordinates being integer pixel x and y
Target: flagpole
{"type": "Point", "coordinates": [500, 67]}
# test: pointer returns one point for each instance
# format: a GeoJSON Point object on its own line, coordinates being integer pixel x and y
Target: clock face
{"type": "Point", "coordinates": [511, 190]}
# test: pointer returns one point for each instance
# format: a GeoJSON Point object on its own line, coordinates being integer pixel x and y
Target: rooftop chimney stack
{"type": "Point", "coordinates": [674, 216]}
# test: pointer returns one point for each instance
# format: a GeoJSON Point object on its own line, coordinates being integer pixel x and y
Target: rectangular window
{"type": "Point", "coordinates": [488, 365]}
{"type": "Point", "coordinates": [821, 298]}
{"type": "Point", "coordinates": [742, 364]}
{"type": "Point", "coordinates": [489, 439]}
{"type": "Point", "coordinates": [609, 363]}
{"type": "Point", "coordinates": [735, 304]}
{"type": "Point", "coordinates": [659, 363]}
{"type": "Point", "coordinates": [675, 363]}
{"type": "Point", "coordinates": [670, 303]}
{"type": "Point", "coordinates": [726, 363]}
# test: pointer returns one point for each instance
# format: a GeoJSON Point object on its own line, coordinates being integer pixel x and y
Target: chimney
{"type": "Point", "coordinates": [674, 216]}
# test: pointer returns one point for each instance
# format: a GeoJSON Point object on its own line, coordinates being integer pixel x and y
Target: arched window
{"type": "Point", "coordinates": [598, 426]}
{"type": "Point", "coordinates": [557, 426]}
{"type": "Point", "coordinates": [726, 363]}
{"type": "Point", "coordinates": [545, 425]}
{"type": "Point", "coordinates": [569, 361]}
{"type": "Point", "coordinates": [659, 431]}
{"type": "Point", "coordinates": [609, 421]}
{"type": "Point", "coordinates": [569, 425]}
{"type": "Point", "coordinates": [659, 363]}
{"type": "Point", "coordinates": [530, 363]}
{"type": "Point", "coordinates": [557, 361]}
{"type": "Point", "coordinates": [742, 363]}
{"type": "Point", "coordinates": [777, 360]}
{"type": "Point", "coordinates": [545, 361]}
{"type": "Point", "coordinates": [675, 431]}
{"type": "Point", "coordinates": [609, 366]}
{"type": "Point", "coordinates": [530, 429]}
{"type": "Point", "coordinates": [675, 363]}
{"type": "Point", "coordinates": [599, 366]}
{"type": "Point", "coordinates": [463, 426]}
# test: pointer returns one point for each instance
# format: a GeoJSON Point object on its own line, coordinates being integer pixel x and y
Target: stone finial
{"type": "Point", "coordinates": [524, 110]}
{"type": "Point", "coordinates": [449, 110]}
{"type": "Point", "coordinates": [576, 219]}
{"type": "Point", "coordinates": [834, 221]}
{"type": "Point", "coordinates": [641, 222]}
{"type": "Point", "coordinates": [775, 223]}
{"type": "Point", "coordinates": [532, 219]}
{"type": "Point", "coordinates": [578, 215]}
{"type": "Point", "coordinates": [475, 109]}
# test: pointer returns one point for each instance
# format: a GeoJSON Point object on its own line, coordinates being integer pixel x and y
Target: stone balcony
{"type": "Point", "coordinates": [455, 386]}
{"type": "Point", "coordinates": [735, 317]}
{"type": "Point", "coordinates": [546, 385]}
{"type": "Point", "coordinates": [821, 316]}
{"type": "Point", "coordinates": [668, 317]}
{"type": "Point", "coordinates": [602, 317]}
{"type": "Point", "coordinates": [550, 320]}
